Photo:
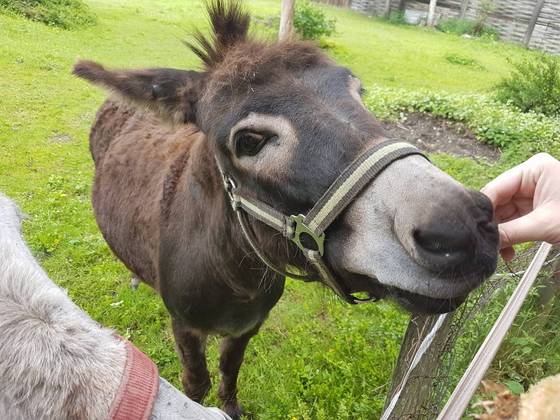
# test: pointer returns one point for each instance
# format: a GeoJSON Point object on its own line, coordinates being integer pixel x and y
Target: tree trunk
{"type": "Point", "coordinates": [432, 13]}
{"type": "Point", "coordinates": [286, 20]}
{"type": "Point", "coordinates": [533, 22]}
{"type": "Point", "coordinates": [402, 5]}
{"type": "Point", "coordinates": [416, 391]}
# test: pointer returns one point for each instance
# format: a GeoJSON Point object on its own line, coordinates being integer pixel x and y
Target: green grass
{"type": "Point", "coordinates": [66, 14]}
{"type": "Point", "coordinates": [411, 57]}
{"type": "Point", "coordinates": [315, 357]}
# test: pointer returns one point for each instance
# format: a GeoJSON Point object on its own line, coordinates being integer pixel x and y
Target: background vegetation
{"type": "Point", "coordinates": [65, 14]}
{"type": "Point", "coordinates": [534, 85]}
{"type": "Point", "coordinates": [316, 358]}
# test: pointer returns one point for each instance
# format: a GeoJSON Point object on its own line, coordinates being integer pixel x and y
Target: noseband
{"type": "Point", "coordinates": [308, 231]}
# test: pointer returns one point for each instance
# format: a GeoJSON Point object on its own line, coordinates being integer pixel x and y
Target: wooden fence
{"type": "Point", "coordinates": [338, 3]}
{"type": "Point", "coordinates": [424, 393]}
{"type": "Point", "coordinates": [536, 23]}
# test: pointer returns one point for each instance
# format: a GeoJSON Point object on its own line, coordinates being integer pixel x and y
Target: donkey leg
{"type": "Point", "coordinates": [231, 357]}
{"type": "Point", "coordinates": [191, 347]}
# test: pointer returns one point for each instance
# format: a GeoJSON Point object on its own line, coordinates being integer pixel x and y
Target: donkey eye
{"type": "Point", "coordinates": [249, 143]}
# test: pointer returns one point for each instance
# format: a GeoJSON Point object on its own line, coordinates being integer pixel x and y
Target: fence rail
{"type": "Point", "coordinates": [535, 23]}
{"type": "Point", "coordinates": [338, 3]}
{"type": "Point", "coordinates": [423, 391]}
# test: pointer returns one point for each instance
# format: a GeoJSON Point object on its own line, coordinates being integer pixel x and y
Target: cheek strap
{"type": "Point", "coordinates": [307, 232]}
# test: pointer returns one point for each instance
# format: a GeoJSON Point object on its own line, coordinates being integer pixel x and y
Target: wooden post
{"type": "Point", "coordinates": [416, 392]}
{"type": "Point", "coordinates": [432, 13]}
{"type": "Point", "coordinates": [387, 9]}
{"type": "Point", "coordinates": [402, 5]}
{"type": "Point", "coordinates": [286, 20]}
{"type": "Point", "coordinates": [533, 22]}
{"type": "Point", "coordinates": [464, 7]}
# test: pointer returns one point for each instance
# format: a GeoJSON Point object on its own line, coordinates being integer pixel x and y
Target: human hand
{"type": "Point", "coordinates": [526, 202]}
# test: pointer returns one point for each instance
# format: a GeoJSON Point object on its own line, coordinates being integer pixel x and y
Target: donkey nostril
{"type": "Point", "coordinates": [483, 204]}
{"type": "Point", "coordinates": [487, 226]}
{"type": "Point", "coordinates": [450, 245]}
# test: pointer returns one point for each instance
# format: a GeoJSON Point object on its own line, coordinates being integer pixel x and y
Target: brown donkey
{"type": "Point", "coordinates": [282, 121]}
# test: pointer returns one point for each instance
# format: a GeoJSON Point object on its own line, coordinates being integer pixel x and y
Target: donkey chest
{"type": "Point", "coordinates": [224, 313]}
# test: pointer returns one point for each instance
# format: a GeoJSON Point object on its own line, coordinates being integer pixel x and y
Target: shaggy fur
{"type": "Point", "coordinates": [542, 401]}
{"type": "Point", "coordinates": [160, 202]}
{"type": "Point", "coordinates": [55, 362]}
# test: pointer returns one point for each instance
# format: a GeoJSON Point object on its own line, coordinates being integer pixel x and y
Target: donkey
{"type": "Point", "coordinates": [276, 123]}
{"type": "Point", "coordinates": [57, 363]}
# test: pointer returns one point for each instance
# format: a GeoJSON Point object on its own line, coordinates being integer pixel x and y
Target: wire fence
{"type": "Point", "coordinates": [457, 340]}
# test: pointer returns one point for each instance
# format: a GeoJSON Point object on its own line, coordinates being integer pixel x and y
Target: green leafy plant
{"type": "Point", "coordinates": [456, 26]}
{"type": "Point", "coordinates": [467, 27]}
{"type": "Point", "coordinates": [65, 14]}
{"type": "Point", "coordinates": [534, 85]}
{"type": "Point", "coordinates": [483, 11]}
{"type": "Point", "coordinates": [311, 22]}
{"type": "Point", "coordinates": [496, 123]}
{"type": "Point", "coordinates": [397, 17]}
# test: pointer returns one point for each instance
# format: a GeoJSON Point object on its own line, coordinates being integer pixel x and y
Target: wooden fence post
{"type": "Point", "coordinates": [533, 22]}
{"type": "Point", "coordinates": [286, 20]}
{"type": "Point", "coordinates": [416, 392]}
{"type": "Point", "coordinates": [464, 7]}
{"type": "Point", "coordinates": [432, 13]}
{"type": "Point", "coordinates": [387, 9]}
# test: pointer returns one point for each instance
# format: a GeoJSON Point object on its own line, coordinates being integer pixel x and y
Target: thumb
{"type": "Point", "coordinates": [524, 229]}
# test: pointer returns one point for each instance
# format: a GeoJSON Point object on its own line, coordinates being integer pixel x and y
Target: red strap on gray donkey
{"type": "Point", "coordinates": [138, 389]}
{"type": "Point", "coordinates": [308, 231]}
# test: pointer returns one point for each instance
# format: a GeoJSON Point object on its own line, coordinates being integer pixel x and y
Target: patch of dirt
{"type": "Point", "coordinates": [438, 135]}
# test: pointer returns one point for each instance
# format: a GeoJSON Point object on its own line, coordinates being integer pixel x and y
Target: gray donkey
{"type": "Point", "coordinates": [55, 361]}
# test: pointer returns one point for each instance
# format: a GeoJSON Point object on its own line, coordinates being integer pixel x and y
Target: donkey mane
{"type": "Point", "coordinates": [229, 23]}
{"type": "Point", "coordinates": [236, 60]}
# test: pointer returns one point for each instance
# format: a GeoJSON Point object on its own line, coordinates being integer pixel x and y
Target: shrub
{"type": "Point", "coordinates": [534, 85]}
{"type": "Point", "coordinates": [497, 124]}
{"type": "Point", "coordinates": [483, 11]}
{"type": "Point", "coordinates": [66, 14]}
{"type": "Point", "coordinates": [396, 17]}
{"type": "Point", "coordinates": [467, 27]}
{"type": "Point", "coordinates": [456, 26]}
{"type": "Point", "coordinates": [310, 21]}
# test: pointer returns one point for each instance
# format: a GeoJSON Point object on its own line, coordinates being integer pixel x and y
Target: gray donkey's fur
{"type": "Point", "coordinates": [55, 362]}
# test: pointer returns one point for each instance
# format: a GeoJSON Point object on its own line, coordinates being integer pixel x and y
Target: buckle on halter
{"type": "Point", "coordinates": [305, 238]}
{"type": "Point", "coordinates": [229, 186]}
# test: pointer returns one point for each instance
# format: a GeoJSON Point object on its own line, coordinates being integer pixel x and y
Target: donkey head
{"type": "Point", "coordinates": [285, 120]}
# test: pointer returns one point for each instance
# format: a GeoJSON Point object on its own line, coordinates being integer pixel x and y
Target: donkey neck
{"type": "Point", "coordinates": [200, 226]}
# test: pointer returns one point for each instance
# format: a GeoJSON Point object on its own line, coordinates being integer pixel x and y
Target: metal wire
{"type": "Point", "coordinates": [469, 326]}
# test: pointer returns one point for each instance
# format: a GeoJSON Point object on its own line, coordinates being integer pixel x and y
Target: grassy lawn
{"type": "Point", "coordinates": [315, 358]}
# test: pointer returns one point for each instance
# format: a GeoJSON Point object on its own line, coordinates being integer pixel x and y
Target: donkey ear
{"type": "Point", "coordinates": [172, 94]}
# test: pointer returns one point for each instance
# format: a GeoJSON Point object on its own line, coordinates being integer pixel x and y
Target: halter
{"type": "Point", "coordinates": [308, 231]}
